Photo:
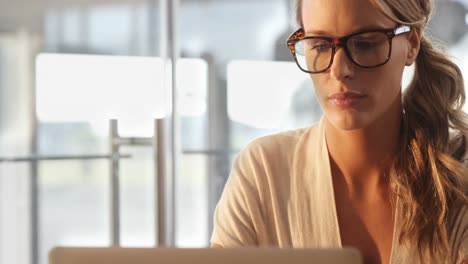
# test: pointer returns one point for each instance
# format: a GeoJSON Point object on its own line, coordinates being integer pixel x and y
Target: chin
{"type": "Point", "coordinates": [348, 120]}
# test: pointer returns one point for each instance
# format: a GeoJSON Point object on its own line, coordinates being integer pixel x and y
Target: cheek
{"type": "Point", "coordinates": [397, 63]}
{"type": "Point", "coordinates": [320, 87]}
{"type": "Point", "coordinates": [391, 74]}
{"type": "Point", "coordinates": [320, 84]}
{"type": "Point", "coordinates": [387, 78]}
{"type": "Point", "coordinates": [386, 85]}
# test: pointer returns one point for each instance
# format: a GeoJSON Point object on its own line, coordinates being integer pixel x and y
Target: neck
{"type": "Point", "coordinates": [362, 157]}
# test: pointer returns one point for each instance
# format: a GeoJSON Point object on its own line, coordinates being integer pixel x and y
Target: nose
{"type": "Point", "coordinates": [342, 67]}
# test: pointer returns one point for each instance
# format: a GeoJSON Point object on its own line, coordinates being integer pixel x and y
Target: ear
{"type": "Point", "coordinates": [414, 42]}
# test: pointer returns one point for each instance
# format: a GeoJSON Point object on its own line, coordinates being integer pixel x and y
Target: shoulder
{"type": "Point", "coordinates": [270, 159]}
{"type": "Point", "coordinates": [279, 147]}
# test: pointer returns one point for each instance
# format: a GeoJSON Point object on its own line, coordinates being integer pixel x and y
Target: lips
{"type": "Point", "coordinates": [345, 95]}
{"type": "Point", "coordinates": [346, 99]}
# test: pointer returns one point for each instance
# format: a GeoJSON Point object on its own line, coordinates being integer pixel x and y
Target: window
{"type": "Point", "coordinates": [66, 69]}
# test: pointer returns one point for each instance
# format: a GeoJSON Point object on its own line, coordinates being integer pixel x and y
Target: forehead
{"type": "Point", "coordinates": [341, 17]}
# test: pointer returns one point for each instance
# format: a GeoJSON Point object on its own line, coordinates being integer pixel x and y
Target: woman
{"type": "Point", "coordinates": [382, 171]}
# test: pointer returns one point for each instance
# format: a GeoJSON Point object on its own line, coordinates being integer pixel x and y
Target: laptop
{"type": "Point", "coordinates": [118, 255]}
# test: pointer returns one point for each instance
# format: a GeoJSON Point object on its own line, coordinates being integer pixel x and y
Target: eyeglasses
{"type": "Point", "coordinates": [366, 49]}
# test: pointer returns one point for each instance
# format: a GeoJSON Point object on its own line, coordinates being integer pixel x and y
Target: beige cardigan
{"type": "Point", "coordinates": [280, 194]}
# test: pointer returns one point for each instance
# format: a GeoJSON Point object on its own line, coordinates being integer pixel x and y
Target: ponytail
{"type": "Point", "coordinates": [428, 172]}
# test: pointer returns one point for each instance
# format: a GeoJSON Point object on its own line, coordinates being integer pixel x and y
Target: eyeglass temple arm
{"type": "Point", "coordinates": [402, 29]}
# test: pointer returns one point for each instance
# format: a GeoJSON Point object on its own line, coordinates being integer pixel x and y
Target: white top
{"type": "Point", "coordinates": [280, 194]}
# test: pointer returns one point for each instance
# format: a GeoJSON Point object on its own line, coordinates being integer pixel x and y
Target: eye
{"type": "Point", "coordinates": [364, 44]}
{"type": "Point", "coordinates": [367, 41]}
{"type": "Point", "coordinates": [320, 47]}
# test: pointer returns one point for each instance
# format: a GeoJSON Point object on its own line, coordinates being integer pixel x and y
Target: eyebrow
{"type": "Point", "coordinates": [324, 33]}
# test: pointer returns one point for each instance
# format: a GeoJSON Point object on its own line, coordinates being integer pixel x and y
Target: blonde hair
{"type": "Point", "coordinates": [428, 170]}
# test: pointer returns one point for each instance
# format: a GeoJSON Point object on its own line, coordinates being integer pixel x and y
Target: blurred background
{"type": "Point", "coordinates": [68, 67]}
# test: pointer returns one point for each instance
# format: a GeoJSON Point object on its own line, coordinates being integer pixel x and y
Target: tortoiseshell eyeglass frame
{"type": "Point", "coordinates": [342, 42]}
